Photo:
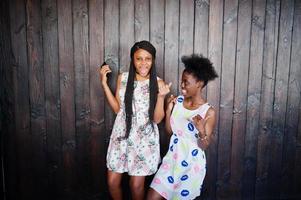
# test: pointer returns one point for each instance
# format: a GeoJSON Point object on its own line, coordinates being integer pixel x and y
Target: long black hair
{"type": "Point", "coordinates": [153, 85]}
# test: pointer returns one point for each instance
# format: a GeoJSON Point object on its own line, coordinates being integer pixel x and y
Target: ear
{"type": "Point", "coordinates": [200, 84]}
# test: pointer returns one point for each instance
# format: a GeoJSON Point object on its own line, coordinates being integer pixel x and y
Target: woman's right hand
{"type": "Point", "coordinates": [170, 103]}
{"type": "Point", "coordinates": [104, 70]}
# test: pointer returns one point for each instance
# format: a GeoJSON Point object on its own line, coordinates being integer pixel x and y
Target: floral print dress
{"type": "Point", "coordinates": [183, 168]}
{"type": "Point", "coordinates": [139, 154]}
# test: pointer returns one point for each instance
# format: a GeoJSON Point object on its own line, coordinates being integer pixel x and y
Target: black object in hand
{"type": "Point", "coordinates": [104, 63]}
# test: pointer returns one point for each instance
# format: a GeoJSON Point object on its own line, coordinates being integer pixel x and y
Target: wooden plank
{"type": "Point", "coordinates": [292, 114]}
{"type": "Point", "coordinates": [97, 148]}
{"type": "Point", "coordinates": [52, 96]}
{"type": "Point", "coordinates": [82, 91]}
{"type": "Point", "coordinates": [37, 97]}
{"type": "Point", "coordinates": [111, 45]}
{"type": "Point", "coordinates": [157, 36]}
{"type": "Point", "coordinates": [268, 77]}
{"type": "Point", "coordinates": [240, 98]}
{"type": "Point", "coordinates": [67, 93]}
{"type": "Point", "coordinates": [225, 187]}
{"type": "Point", "coordinates": [127, 33]}
{"type": "Point", "coordinates": [213, 90]}
{"type": "Point", "coordinates": [157, 33]}
{"type": "Point", "coordinates": [253, 101]}
{"type": "Point", "coordinates": [280, 101]}
{"type": "Point", "coordinates": [297, 173]}
{"type": "Point", "coordinates": [157, 11]}
{"type": "Point", "coordinates": [201, 27]}
{"type": "Point", "coordinates": [8, 151]}
{"type": "Point", "coordinates": [201, 31]}
{"type": "Point", "coordinates": [24, 188]}
{"type": "Point", "coordinates": [295, 64]}
{"type": "Point", "coordinates": [186, 33]}
{"type": "Point", "coordinates": [171, 44]}
{"type": "Point", "coordinates": [141, 20]}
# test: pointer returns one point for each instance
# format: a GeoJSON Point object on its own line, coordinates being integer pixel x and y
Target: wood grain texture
{"type": "Point", "coordinates": [224, 186]}
{"type": "Point", "coordinates": [67, 94]}
{"type": "Point", "coordinates": [52, 96]}
{"type": "Point", "coordinates": [254, 98]}
{"type": "Point", "coordinates": [142, 26]}
{"type": "Point", "coordinates": [293, 125]}
{"type": "Point", "coordinates": [240, 97]}
{"type": "Point", "coordinates": [171, 49]}
{"type": "Point", "coordinates": [8, 134]}
{"type": "Point", "coordinates": [82, 91]}
{"type": "Point", "coordinates": [97, 102]}
{"type": "Point", "coordinates": [37, 98]}
{"type": "Point", "coordinates": [268, 78]}
{"type": "Point", "coordinates": [61, 122]}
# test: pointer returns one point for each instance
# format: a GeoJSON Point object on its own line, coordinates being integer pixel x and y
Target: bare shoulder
{"type": "Point", "coordinates": [211, 112]}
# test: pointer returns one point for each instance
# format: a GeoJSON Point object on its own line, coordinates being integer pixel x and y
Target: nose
{"type": "Point", "coordinates": [182, 85]}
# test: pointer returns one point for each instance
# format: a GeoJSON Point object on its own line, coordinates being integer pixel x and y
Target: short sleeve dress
{"type": "Point", "coordinates": [139, 154]}
{"type": "Point", "coordinates": [183, 168]}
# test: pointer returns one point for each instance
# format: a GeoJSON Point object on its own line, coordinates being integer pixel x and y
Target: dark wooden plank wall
{"type": "Point", "coordinates": [58, 123]}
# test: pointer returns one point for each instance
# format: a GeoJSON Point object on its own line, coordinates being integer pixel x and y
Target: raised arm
{"type": "Point", "coordinates": [114, 101]}
{"type": "Point", "coordinates": [164, 89]}
{"type": "Point", "coordinates": [170, 104]}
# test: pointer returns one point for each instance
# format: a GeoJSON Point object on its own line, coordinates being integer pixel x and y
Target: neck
{"type": "Point", "coordinates": [141, 78]}
{"type": "Point", "coordinates": [196, 99]}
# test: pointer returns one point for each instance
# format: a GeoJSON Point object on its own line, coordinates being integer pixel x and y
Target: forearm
{"type": "Point", "coordinates": [167, 122]}
{"type": "Point", "coordinates": [111, 98]}
{"type": "Point", "coordinates": [159, 110]}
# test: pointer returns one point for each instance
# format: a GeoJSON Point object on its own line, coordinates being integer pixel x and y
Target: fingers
{"type": "Point", "coordinates": [105, 70]}
{"type": "Point", "coordinates": [198, 119]}
{"type": "Point", "coordinates": [172, 99]}
{"type": "Point", "coordinates": [164, 89]}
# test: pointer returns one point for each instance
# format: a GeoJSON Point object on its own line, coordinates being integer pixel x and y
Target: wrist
{"type": "Point", "coordinates": [202, 136]}
{"type": "Point", "coordinates": [161, 97]}
{"type": "Point", "coordinates": [104, 83]}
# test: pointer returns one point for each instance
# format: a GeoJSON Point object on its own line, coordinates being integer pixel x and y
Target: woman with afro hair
{"type": "Point", "coordinates": [190, 120]}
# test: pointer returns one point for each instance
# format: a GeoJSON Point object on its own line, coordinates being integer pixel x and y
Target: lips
{"type": "Point", "coordinates": [143, 71]}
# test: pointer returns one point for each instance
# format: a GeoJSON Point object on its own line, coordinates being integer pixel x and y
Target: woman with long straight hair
{"type": "Point", "coordinates": [139, 105]}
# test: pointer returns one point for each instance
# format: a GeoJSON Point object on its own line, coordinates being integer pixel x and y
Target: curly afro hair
{"type": "Point", "coordinates": [200, 67]}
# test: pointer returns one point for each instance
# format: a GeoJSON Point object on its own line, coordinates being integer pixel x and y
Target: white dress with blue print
{"type": "Point", "coordinates": [183, 168]}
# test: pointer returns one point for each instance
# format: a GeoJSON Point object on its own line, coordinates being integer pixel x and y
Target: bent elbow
{"type": "Point", "coordinates": [116, 110]}
{"type": "Point", "coordinates": [157, 120]}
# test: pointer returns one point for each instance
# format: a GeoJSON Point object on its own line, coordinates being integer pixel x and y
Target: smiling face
{"type": "Point", "coordinates": [143, 62]}
{"type": "Point", "coordinates": [190, 85]}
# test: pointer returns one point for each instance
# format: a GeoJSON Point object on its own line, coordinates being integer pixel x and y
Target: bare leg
{"type": "Point", "coordinates": [137, 187]}
{"type": "Point", "coordinates": [153, 195]}
{"type": "Point", "coordinates": [114, 183]}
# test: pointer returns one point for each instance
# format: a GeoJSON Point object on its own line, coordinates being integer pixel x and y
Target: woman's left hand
{"type": "Point", "coordinates": [200, 123]}
{"type": "Point", "coordinates": [164, 89]}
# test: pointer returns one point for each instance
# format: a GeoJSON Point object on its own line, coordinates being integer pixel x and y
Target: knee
{"type": "Point", "coordinates": [137, 185]}
{"type": "Point", "coordinates": [113, 183]}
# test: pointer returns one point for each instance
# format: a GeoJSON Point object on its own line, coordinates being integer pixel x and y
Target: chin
{"type": "Point", "coordinates": [143, 74]}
